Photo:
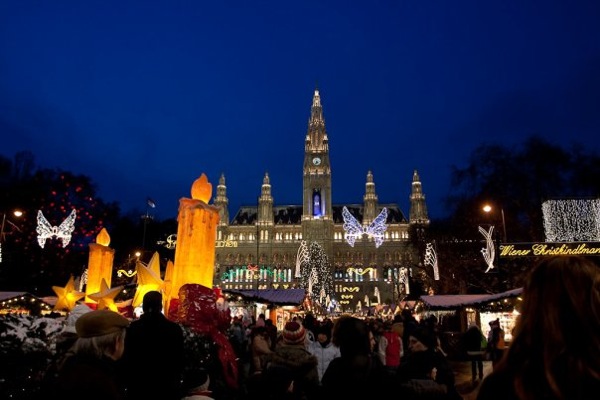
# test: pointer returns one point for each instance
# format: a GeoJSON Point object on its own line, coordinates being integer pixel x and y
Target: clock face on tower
{"type": "Point", "coordinates": [316, 161]}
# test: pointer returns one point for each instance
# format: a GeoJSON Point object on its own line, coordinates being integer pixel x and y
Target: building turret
{"type": "Point", "coordinates": [222, 202]}
{"type": "Point", "coordinates": [370, 201]}
{"type": "Point", "coordinates": [418, 208]}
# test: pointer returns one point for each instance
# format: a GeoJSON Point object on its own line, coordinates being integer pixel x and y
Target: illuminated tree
{"type": "Point", "coordinates": [317, 277]}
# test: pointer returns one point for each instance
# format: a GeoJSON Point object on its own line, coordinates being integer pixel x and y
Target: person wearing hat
{"type": "Point", "coordinates": [154, 354]}
{"type": "Point", "coordinates": [89, 369]}
{"type": "Point", "coordinates": [323, 348]}
{"type": "Point", "coordinates": [196, 384]}
{"type": "Point", "coordinates": [425, 372]}
{"type": "Point", "coordinates": [291, 353]}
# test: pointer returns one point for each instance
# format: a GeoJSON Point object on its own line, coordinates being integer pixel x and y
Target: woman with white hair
{"type": "Point", "coordinates": [89, 369]}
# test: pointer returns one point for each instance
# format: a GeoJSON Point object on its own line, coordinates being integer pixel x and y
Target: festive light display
{"type": "Point", "coordinates": [67, 296]}
{"type": "Point", "coordinates": [147, 281]}
{"type": "Point", "coordinates": [431, 260]}
{"type": "Point", "coordinates": [63, 232]}
{"type": "Point", "coordinates": [100, 265]}
{"type": "Point", "coordinates": [196, 236]}
{"type": "Point", "coordinates": [489, 251]}
{"type": "Point", "coordinates": [301, 257]}
{"type": "Point", "coordinates": [354, 230]}
{"type": "Point", "coordinates": [106, 296]}
{"type": "Point", "coordinates": [316, 272]}
{"type": "Point", "coordinates": [575, 220]}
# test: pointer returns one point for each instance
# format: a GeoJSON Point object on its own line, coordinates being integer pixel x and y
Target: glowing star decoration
{"type": "Point", "coordinates": [301, 258]}
{"type": "Point", "coordinates": [63, 231]}
{"type": "Point", "coordinates": [431, 259]}
{"type": "Point", "coordinates": [154, 264]}
{"type": "Point", "coordinates": [147, 281]}
{"type": "Point", "coordinates": [353, 230]}
{"type": "Point", "coordinates": [106, 297]}
{"type": "Point", "coordinates": [489, 252]}
{"type": "Point", "coordinates": [67, 296]}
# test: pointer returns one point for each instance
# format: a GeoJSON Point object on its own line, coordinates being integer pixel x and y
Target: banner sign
{"type": "Point", "coordinates": [549, 249]}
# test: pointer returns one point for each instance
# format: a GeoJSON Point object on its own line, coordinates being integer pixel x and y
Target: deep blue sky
{"type": "Point", "coordinates": [145, 96]}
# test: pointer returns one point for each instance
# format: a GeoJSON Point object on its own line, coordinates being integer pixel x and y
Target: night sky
{"type": "Point", "coordinates": [145, 96]}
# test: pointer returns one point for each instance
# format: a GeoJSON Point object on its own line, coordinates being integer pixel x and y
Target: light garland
{"type": "Point", "coordinates": [575, 220]}
{"type": "Point", "coordinates": [354, 230]}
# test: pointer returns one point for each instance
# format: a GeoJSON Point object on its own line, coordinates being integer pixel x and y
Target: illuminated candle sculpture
{"type": "Point", "coordinates": [100, 265]}
{"type": "Point", "coordinates": [196, 235]}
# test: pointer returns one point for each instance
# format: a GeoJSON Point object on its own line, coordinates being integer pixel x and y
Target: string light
{"type": "Point", "coordinates": [573, 220]}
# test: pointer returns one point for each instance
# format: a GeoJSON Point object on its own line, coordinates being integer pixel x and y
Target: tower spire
{"type": "Point", "coordinates": [418, 208]}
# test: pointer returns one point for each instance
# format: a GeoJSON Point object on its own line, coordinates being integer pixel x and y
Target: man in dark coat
{"type": "Point", "coordinates": [153, 360]}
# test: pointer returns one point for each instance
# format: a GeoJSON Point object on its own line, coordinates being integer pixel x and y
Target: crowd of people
{"type": "Point", "coordinates": [554, 353]}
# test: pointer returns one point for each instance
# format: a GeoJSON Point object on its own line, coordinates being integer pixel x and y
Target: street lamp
{"type": "Point", "coordinates": [488, 208]}
{"type": "Point", "coordinates": [16, 213]}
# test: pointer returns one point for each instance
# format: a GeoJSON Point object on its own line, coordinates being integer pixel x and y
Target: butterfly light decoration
{"type": "Point", "coordinates": [354, 230]}
{"type": "Point", "coordinates": [63, 231]}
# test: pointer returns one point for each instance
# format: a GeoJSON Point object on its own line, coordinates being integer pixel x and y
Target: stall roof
{"type": "Point", "coordinates": [281, 297]}
{"type": "Point", "coordinates": [449, 301]}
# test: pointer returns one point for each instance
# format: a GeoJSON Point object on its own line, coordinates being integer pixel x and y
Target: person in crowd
{"type": "Point", "coordinates": [260, 348]}
{"type": "Point", "coordinates": [272, 332]}
{"type": "Point", "coordinates": [310, 324]}
{"type": "Point", "coordinates": [237, 336]}
{"type": "Point", "coordinates": [324, 349]}
{"type": "Point", "coordinates": [425, 371]}
{"type": "Point", "coordinates": [153, 360]}
{"type": "Point", "coordinates": [555, 350]}
{"type": "Point", "coordinates": [357, 373]}
{"type": "Point", "coordinates": [390, 348]}
{"type": "Point", "coordinates": [291, 353]}
{"type": "Point", "coordinates": [275, 383]}
{"type": "Point", "coordinates": [474, 344]}
{"type": "Point", "coordinates": [410, 324]}
{"type": "Point", "coordinates": [496, 344]}
{"type": "Point", "coordinates": [89, 369]}
{"type": "Point", "coordinates": [64, 341]}
{"type": "Point", "coordinates": [196, 383]}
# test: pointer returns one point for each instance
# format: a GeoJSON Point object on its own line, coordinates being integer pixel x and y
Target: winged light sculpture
{"type": "Point", "coordinates": [63, 231]}
{"type": "Point", "coordinates": [302, 257]}
{"type": "Point", "coordinates": [354, 230]}
{"type": "Point", "coordinates": [489, 252]}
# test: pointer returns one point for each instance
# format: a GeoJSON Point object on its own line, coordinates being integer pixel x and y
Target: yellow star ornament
{"type": "Point", "coordinates": [106, 296]}
{"type": "Point", "coordinates": [67, 296]}
{"type": "Point", "coordinates": [147, 280]}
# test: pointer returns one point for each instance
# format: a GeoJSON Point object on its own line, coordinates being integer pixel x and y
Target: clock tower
{"type": "Point", "coordinates": [317, 214]}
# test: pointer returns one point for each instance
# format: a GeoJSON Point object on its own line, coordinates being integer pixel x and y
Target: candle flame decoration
{"type": "Point", "coordinates": [202, 189]}
{"type": "Point", "coordinates": [103, 238]}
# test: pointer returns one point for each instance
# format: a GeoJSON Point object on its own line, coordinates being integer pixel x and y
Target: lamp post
{"type": "Point", "coordinates": [16, 213]}
{"type": "Point", "coordinates": [488, 208]}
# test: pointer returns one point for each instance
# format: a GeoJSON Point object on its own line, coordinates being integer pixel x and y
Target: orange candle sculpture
{"type": "Point", "coordinates": [100, 265]}
{"type": "Point", "coordinates": [196, 236]}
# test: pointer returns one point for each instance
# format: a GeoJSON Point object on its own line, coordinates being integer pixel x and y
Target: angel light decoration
{"type": "Point", "coordinates": [354, 230]}
{"type": "Point", "coordinates": [63, 231]}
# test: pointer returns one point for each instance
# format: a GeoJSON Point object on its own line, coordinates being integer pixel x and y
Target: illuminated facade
{"type": "Point", "coordinates": [273, 234]}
